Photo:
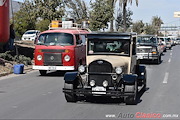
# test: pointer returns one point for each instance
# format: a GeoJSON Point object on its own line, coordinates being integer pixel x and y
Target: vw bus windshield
{"type": "Point", "coordinates": [120, 47]}
{"type": "Point", "coordinates": [63, 39]}
{"type": "Point", "coordinates": [146, 40]}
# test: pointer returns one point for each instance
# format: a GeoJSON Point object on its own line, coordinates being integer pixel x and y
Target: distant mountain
{"type": "Point", "coordinates": [15, 7]}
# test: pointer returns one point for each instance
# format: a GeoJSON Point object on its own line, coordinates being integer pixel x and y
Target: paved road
{"type": "Point", "coordinates": [30, 96]}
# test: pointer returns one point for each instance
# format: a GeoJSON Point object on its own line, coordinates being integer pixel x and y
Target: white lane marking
{"type": "Point", "coordinates": [169, 60]}
{"type": "Point", "coordinates": [14, 106]}
{"type": "Point", "coordinates": [166, 77]}
{"type": "Point", "coordinates": [171, 54]}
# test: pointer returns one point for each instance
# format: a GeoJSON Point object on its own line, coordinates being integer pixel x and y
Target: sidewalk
{"type": "Point", "coordinates": [26, 69]}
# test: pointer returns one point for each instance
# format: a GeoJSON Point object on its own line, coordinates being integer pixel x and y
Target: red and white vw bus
{"type": "Point", "coordinates": [60, 49]}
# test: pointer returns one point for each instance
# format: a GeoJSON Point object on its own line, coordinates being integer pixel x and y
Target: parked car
{"type": "Point", "coordinates": [30, 35]}
{"type": "Point", "coordinates": [178, 41]}
{"type": "Point", "coordinates": [148, 48]}
{"type": "Point", "coordinates": [166, 41]}
{"type": "Point", "coordinates": [111, 70]}
{"type": "Point", "coordinates": [163, 47]}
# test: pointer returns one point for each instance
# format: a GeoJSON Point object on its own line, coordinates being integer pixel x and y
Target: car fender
{"type": "Point", "coordinates": [141, 72]}
{"type": "Point", "coordinates": [70, 77]}
{"type": "Point", "coordinates": [129, 78]}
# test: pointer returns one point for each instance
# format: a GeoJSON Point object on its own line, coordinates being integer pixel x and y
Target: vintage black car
{"type": "Point", "coordinates": [111, 69]}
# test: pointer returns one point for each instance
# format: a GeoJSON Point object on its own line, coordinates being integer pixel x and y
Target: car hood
{"type": "Point", "coordinates": [116, 61]}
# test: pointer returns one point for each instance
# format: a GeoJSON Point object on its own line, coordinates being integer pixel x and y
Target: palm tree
{"type": "Point", "coordinates": [123, 4]}
{"type": "Point", "coordinates": [156, 22]}
{"type": "Point", "coordinates": [112, 3]}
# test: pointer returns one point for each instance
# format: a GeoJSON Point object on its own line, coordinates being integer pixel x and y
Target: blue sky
{"type": "Point", "coordinates": [148, 8]}
{"type": "Point", "coordinates": [162, 8]}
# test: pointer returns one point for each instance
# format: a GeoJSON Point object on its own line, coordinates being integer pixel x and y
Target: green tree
{"type": "Point", "coordinates": [23, 19]}
{"type": "Point", "coordinates": [36, 14]}
{"type": "Point", "coordinates": [138, 27]}
{"type": "Point", "coordinates": [120, 20]}
{"type": "Point", "coordinates": [49, 9]}
{"type": "Point", "coordinates": [78, 10]}
{"type": "Point", "coordinates": [42, 25]}
{"type": "Point", "coordinates": [149, 29]}
{"type": "Point", "coordinates": [100, 15]}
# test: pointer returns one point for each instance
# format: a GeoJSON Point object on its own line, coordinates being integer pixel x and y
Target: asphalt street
{"type": "Point", "coordinates": [31, 96]}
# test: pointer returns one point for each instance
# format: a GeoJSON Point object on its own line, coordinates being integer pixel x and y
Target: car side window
{"type": "Point", "coordinates": [78, 40]}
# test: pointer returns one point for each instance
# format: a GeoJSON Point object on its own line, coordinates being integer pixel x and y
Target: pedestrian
{"type": "Point", "coordinates": [11, 37]}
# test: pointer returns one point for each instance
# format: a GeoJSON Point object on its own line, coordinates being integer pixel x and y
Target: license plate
{"type": "Point", "coordinates": [96, 89]}
{"type": "Point", "coordinates": [52, 67]}
{"type": "Point", "coordinates": [139, 57]}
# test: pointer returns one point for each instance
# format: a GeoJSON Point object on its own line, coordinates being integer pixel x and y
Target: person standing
{"type": "Point", "coordinates": [11, 37]}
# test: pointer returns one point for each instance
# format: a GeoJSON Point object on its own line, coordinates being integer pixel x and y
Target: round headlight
{"type": "Point", "coordinates": [67, 58]}
{"type": "Point", "coordinates": [39, 57]}
{"type": "Point", "coordinates": [81, 68]}
{"type": "Point", "coordinates": [105, 83]}
{"type": "Point", "coordinates": [118, 70]}
{"type": "Point", "coordinates": [92, 83]}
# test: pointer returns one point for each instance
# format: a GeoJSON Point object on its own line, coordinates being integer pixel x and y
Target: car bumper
{"type": "Point", "coordinates": [168, 46]}
{"type": "Point", "coordinates": [90, 92]}
{"type": "Point", "coordinates": [148, 56]}
{"type": "Point", "coordinates": [28, 39]}
{"type": "Point", "coordinates": [35, 67]}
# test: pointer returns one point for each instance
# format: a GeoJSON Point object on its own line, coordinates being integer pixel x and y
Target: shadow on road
{"type": "Point", "coordinates": [54, 74]}
{"type": "Point", "coordinates": [110, 101]}
{"type": "Point", "coordinates": [140, 93]}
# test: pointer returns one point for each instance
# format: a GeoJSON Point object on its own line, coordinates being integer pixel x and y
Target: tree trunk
{"type": "Point", "coordinates": [124, 17]}
{"type": "Point", "coordinates": [112, 21]}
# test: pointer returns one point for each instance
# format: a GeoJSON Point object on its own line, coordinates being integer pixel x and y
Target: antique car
{"type": "Point", "coordinates": [111, 70]}
{"type": "Point", "coordinates": [148, 48]}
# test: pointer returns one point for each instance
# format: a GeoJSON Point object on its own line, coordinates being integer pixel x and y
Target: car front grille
{"type": "Point", "coordinates": [144, 50]}
{"type": "Point", "coordinates": [52, 59]}
{"type": "Point", "coordinates": [100, 66]}
{"type": "Point", "coordinates": [100, 71]}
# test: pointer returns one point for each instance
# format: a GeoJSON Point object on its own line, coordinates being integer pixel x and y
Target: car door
{"type": "Point", "coordinates": [78, 50]}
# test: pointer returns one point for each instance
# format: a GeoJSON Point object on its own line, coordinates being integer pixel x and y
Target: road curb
{"type": "Point", "coordinates": [26, 69]}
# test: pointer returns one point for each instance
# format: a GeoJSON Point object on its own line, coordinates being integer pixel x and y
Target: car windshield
{"type": "Point", "coordinates": [63, 39]}
{"type": "Point", "coordinates": [108, 47]}
{"type": "Point", "coordinates": [168, 39]}
{"type": "Point", "coordinates": [30, 33]}
{"type": "Point", "coordinates": [146, 40]}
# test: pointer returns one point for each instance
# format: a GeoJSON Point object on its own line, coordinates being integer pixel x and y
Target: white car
{"type": "Point", "coordinates": [30, 35]}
